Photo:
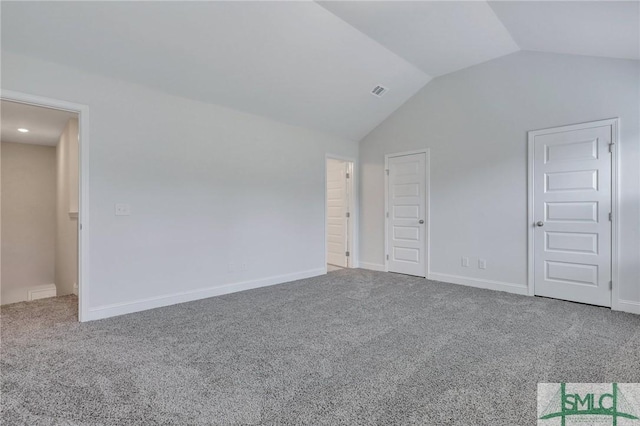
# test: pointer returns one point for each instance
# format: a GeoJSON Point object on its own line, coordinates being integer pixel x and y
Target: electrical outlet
{"type": "Point", "coordinates": [233, 267]}
{"type": "Point", "coordinates": [123, 209]}
{"type": "Point", "coordinates": [465, 262]}
{"type": "Point", "coordinates": [482, 263]}
{"type": "Point", "coordinates": [244, 266]}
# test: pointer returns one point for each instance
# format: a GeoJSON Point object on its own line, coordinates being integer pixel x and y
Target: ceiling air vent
{"type": "Point", "coordinates": [379, 91]}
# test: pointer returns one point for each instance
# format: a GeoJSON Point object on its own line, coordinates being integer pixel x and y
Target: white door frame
{"type": "Point", "coordinates": [83, 176]}
{"type": "Point", "coordinates": [352, 261]}
{"type": "Point", "coordinates": [615, 131]}
{"type": "Point", "coordinates": [427, 212]}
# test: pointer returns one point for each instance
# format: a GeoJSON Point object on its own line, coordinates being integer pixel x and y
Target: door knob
{"type": "Point", "coordinates": [539, 223]}
{"type": "Point", "coordinates": [421, 221]}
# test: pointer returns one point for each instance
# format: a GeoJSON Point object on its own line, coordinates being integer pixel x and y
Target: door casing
{"type": "Point", "coordinates": [427, 219]}
{"type": "Point", "coordinates": [615, 129]}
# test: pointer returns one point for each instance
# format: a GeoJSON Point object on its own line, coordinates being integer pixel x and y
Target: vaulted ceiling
{"type": "Point", "coordinates": [594, 28]}
{"type": "Point", "coordinates": [437, 37]}
{"type": "Point", "coordinates": [311, 64]}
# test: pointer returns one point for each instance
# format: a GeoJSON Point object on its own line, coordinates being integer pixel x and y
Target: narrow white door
{"type": "Point", "coordinates": [337, 209]}
{"type": "Point", "coordinates": [571, 213]}
{"type": "Point", "coordinates": [406, 225]}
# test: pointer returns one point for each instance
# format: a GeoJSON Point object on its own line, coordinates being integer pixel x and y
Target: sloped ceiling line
{"type": "Point", "coordinates": [308, 64]}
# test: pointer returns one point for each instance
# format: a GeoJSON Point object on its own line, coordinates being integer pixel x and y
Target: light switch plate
{"type": "Point", "coordinates": [123, 210]}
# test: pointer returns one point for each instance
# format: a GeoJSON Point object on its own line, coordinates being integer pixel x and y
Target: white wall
{"type": "Point", "coordinates": [208, 186]}
{"type": "Point", "coordinates": [67, 209]}
{"type": "Point", "coordinates": [475, 121]}
{"type": "Point", "coordinates": [28, 188]}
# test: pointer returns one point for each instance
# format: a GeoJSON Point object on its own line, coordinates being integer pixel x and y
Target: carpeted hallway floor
{"type": "Point", "coordinates": [353, 347]}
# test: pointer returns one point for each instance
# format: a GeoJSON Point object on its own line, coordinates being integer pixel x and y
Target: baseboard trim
{"type": "Point", "coordinates": [479, 283]}
{"type": "Point", "coordinates": [372, 266]}
{"type": "Point", "coordinates": [628, 306]}
{"type": "Point", "coordinates": [107, 311]}
{"type": "Point", "coordinates": [41, 292]}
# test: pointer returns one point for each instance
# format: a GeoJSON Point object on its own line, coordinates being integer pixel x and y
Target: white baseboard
{"type": "Point", "coordinates": [41, 292]}
{"type": "Point", "coordinates": [115, 309]}
{"type": "Point", "coordinates": [372, 266]}
{"type": "Point", "coordinates": [479, 283]}
{"type": "Point", "coordinates": [628, 306]}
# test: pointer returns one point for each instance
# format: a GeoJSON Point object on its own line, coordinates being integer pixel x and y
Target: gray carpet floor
{"type": "Point", "coordinates": [353, 347]}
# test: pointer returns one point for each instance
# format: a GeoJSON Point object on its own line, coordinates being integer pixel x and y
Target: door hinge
{"type": "Point", "coordinates": [387, 170]}
{"type": "Point", "coordinates": [387, 214]}
{"type": "Point", "coordinates": [610, 285]}
{"type": "Point", "coordinates": [348, 214]}
{"type": "Point", "coordinates": [387, 257]}
{"type": "Point", "coordinates": [347, 175]}
{"type": "Point", "coordinates": [347, 254]}
{"type": "Point", "coordinates": [611, 147]}
{"type": "Point", "coordinates": [81, 227]}
{"type": "Point", "coordinates": [610, 217]}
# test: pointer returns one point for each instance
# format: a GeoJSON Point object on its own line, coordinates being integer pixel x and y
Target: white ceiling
{"type": "Point", "coordinates": [45, 125]}
{"type": "Point", "coordinates": [595, 28]}
{"type": "Point", "coordinates": [438, 37]}
{"type": "Point", "coordinates": [294, 62]}
{"type": "Point", "coordinates": [306, 63]}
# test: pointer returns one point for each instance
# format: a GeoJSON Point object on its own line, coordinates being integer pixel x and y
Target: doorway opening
{"type": "Point", "coordinates": [340, 214]}
{"type": "Point", "coordinates": [41, 203]}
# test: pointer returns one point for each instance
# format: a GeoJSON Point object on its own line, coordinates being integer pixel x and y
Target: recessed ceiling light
{"type": "Point", "coordinates": [22, 130]}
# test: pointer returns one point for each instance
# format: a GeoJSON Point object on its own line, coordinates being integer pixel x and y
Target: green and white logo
{"type": "Point", "coordinates": [573, 404]}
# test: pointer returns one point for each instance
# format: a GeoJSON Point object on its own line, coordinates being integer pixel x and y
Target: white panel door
{"type": "Point", "coordinates": [572, 203]}
{"type": "Point", "coordinates": [337, 209]}
{"type": "Point", "coordinates": [406, 227]}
